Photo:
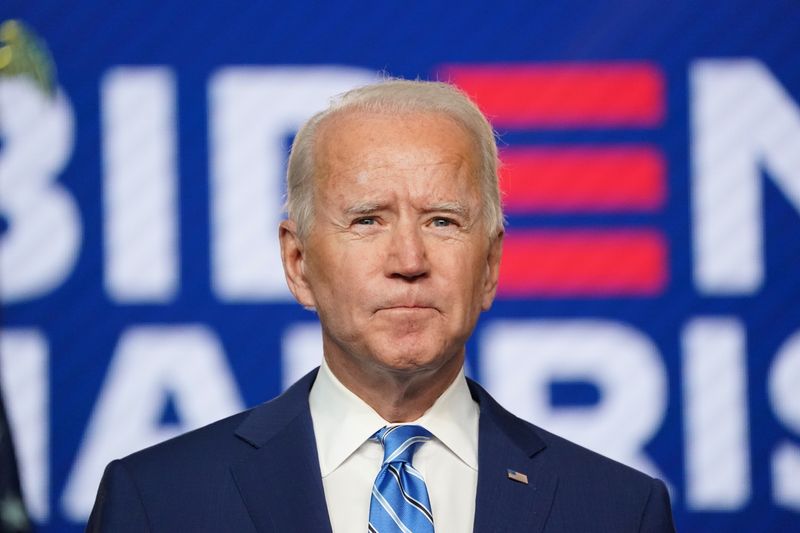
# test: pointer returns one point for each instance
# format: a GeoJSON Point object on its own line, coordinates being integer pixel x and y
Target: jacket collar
{"type": "Point", "coordinates": [282, 435]}
{"type": "Point", "coordinates": [280, 482]}
{"type": "Point", "coordinates": [507, 443]}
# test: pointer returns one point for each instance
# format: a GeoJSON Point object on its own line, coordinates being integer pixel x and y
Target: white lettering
{"type": "Point", "coordinates": [715, 416]}
{"type": "Point", "coordinates": [23, 371]}
{"type": "Point", "coordinates": [151, 366]}
{"type": "Point", "coordinates": [522, 358]}
{"type": "Point", "coordinates": [253, 112]}
{"type": "Point", "coordinates": [784, 395]}
{"type": "Point", "coordinates": [742, 121]}
{"type": "Point", "coordinates": [39, 248]}
{"type": "Point", "coordinates": [140, 181]}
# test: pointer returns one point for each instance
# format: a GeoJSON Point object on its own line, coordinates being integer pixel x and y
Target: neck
{"type": "Point", "coordinates": [397, 396]}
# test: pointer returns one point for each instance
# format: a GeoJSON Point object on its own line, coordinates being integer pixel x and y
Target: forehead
{"type": "Point", "coordinates": [374, 138]}
{"type": "Point", "coordinates": [365, 146]}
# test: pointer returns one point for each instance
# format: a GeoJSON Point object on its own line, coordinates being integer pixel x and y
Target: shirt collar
{"type": "Point", "coordinates": [343, 421]}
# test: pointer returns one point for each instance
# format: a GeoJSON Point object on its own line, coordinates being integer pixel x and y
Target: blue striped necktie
{"type": "Point", "coordinates": [400, 500]}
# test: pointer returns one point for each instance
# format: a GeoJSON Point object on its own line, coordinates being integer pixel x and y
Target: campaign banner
{"type": "Point", "coordinates": [649, 298]}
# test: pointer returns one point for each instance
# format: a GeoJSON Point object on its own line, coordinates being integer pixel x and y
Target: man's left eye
{"type": "Point", "coordinates": [441, 222]}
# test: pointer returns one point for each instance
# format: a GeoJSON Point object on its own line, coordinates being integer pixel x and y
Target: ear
{"type": "Point", "coordinates": [492, 270]}
{"type": "Point", "coordinates": [293, 258]}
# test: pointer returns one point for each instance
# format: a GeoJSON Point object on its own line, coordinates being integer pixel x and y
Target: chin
{"type": "Point", "coordinates": [413, 359]}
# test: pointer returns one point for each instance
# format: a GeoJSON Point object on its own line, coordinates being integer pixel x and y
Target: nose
{"type": "Point", "coordinates": [407, 258]}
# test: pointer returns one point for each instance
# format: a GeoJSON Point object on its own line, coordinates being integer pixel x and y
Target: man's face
{"type": "Point", "coordinates": [397, 262]}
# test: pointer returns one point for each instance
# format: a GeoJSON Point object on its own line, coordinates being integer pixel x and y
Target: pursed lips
{"type": "Point", "coordinates": [405, 306]}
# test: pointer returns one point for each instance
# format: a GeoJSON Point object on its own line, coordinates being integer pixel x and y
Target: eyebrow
{"type": "Point", "coordinates": [454, 208]}
{"type": "Point", "coordinates": [363, 208]}
{"type": "Point", "coordinates": [366, 208]}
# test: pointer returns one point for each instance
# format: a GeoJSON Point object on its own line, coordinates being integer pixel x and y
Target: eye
{"type": "Point", "coordinates": [441, 222]}
{"type": "Point", "coordinates": [365, 221]}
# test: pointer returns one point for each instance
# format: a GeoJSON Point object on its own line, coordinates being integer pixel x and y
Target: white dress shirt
{"type": "Point", "coordinates": [350, 462]}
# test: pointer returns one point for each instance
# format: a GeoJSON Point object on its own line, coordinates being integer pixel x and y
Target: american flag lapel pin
{"type": "Point", "coordinates": [517, 476]}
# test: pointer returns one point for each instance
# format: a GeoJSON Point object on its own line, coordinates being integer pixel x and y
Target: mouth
{"type": "Point", "coordinates": [406, 304]}
{"type": "Point", "coordinates": [406, 308]}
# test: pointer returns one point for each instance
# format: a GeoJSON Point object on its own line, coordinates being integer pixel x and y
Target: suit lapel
{"type": "Point", "coordinates": [280, 482]}
{"type": "Point", "coordinates": [507, 443]}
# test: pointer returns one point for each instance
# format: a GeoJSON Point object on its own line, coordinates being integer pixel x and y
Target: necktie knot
{"type": "Point", "coordinates": [400, 502]}
{"type": "Point", "coordinates": [400, 442]}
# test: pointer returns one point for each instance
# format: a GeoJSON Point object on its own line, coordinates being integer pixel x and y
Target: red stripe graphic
{"type": "Point", "coordinates": [579, 263]}
{"type": "Point", "coordinates": [559, 180]}
{"type": "Point", "coordinates": [563, 94]}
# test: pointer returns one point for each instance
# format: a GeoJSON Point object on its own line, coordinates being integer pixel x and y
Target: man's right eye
{"type": "Point", "coordinates": [365, 221]}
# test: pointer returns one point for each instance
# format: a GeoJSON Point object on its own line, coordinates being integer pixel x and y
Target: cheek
{"type": "Point", "coordinates": [343, 276]}
{"type": "Point", "coordinates": [464, 279]}
{"type": "Point", "coordinates": [478, 278]}
{"type": "Point", "coordinates": [321, 270]}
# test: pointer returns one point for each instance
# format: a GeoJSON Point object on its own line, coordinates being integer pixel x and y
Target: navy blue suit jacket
{"type": "Point", "coordinates": [258, 471]}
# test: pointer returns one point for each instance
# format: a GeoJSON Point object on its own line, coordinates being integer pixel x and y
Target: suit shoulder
{"type": "Point", "coordinates": [580, 461]}
{"type": "Point", "coordinates": [215, 440]}
{"type": "Point", "coordinates": [573, 459]}
{"type": "Point", "coordinates": [227, 439]}
{"type": "Point", "coordinates": [618, 497]}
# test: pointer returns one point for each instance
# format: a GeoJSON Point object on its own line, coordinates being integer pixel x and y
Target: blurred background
{"type": "Point", "coordinates": [650, 287]}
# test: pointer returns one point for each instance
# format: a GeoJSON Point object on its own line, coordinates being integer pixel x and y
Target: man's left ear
{"type": "Point", "coordinates": [492, 270]}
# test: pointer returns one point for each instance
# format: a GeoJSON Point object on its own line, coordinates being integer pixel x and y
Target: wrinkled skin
{"type": "Point", "coordinates": [398, 262]}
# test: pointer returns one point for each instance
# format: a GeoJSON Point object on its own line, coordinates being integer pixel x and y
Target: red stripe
{"type": "Point", "coordinates": [583, 179]}
{"type": "Point", "coordinates": [583, 263]}
{"type": "Point", "coordinates": [564, 94]}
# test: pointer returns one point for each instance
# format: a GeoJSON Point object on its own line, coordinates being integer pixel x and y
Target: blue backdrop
{"type": "Point", "coordinates": [649, 295]}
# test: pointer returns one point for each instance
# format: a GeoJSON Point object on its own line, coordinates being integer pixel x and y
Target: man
{"type": "Point", "coordinates": [394, 237]}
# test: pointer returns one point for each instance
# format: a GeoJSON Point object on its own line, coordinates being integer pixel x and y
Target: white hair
{"type": "Point", "coordinates": [400, 97]}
